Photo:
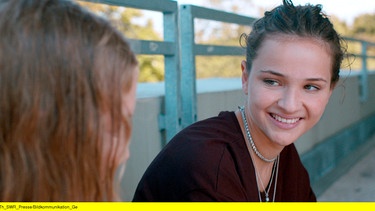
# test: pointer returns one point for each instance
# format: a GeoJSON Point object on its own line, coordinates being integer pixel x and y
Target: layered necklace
{"type": "Point", "coordinates": [251, 139]}
{"type": "Point", "coordinates": [275, 168]}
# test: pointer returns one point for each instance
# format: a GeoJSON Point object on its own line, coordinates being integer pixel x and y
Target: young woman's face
{"type": "Point", "coordinates": [128, 109]}
{"type": "Point", "coordinates": [287, 89]}
{"type": "Point", "coordinates": [116, 147]}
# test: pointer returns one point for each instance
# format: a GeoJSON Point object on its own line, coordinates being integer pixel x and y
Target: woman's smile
{"type": "Point", "coordinates": [285, 120]}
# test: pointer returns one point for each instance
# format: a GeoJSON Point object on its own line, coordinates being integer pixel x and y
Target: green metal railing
{"type": "Point", "coordinates": [190, 49]}
{"type": "Point", "coordinates": [365, 57]}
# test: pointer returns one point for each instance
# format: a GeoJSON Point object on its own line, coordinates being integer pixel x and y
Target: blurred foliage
{"type": "Point", "coordinates": [363, 27]}
{"type": "Point", "coordinates": [133, 23]}
{"type": "Point", "coordinates": [219, 34]}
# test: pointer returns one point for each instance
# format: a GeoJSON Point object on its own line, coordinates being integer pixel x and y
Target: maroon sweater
{"type": "Point", "coordinates": [209, 161]}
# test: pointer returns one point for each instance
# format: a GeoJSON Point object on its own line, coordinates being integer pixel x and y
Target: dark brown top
{"type": "Point", "coordinates": [209, 161]}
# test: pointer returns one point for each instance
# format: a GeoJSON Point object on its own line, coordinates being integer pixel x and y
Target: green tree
{"type": "Point", "coordinates": [221, 66]}
{"type": "Point", "coordinates": [340, 26]}
{"type": "Point", "coordinates": [151, 67]}
{"type": "Point", "coordinates": [364, 26]}
{"type": "Point", "coordinates": [218, 33]}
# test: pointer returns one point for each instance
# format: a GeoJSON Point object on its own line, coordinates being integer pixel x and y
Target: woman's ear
{"type": "Point", "coordinates": [245, 77]}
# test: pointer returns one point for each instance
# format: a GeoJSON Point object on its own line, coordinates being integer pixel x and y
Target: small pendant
{"type": "Point", "coordinates": [267, 199]}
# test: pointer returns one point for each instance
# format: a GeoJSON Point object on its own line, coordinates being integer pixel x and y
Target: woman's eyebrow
{"type": "Point", "coordinates": [317, 79]}
{"type": "Point", "coordinates": [282, 75]}
{"type": "Point", "coordinates": [272, 72]}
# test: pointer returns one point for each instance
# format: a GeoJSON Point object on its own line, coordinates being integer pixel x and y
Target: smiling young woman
{"type": "Point", "coordinates": [293, 57]}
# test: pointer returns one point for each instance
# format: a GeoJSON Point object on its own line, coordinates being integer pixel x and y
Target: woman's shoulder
{"type": "Point", "coordinates": [290, 160]}
{"type": "Point", "coordinates": [204, 141]}
{"type": "Point", "coordinates": [290, 153]}
{"type": "Point", "coordinates": [210, 132]}
{"type": "Point", "coordinates": [225, 123]}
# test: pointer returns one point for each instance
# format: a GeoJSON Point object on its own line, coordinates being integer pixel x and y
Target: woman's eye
{"type": "Point", "coordinates": [271, 82]}
{"type": "Point", "coordinates": [311, 88]}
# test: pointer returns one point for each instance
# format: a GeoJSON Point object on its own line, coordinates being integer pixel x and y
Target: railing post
{"type": "Point", "coordinates": [172, 118]}
{"type": "Point", "coordinates": [188, 78]}
{"type": "Point", "coordinates": [364, 74]}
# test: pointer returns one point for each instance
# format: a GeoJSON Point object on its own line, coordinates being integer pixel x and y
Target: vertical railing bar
{"type": "Point", "coordinates": [364, 73]}
{"type": "Point", "coordinates": [172, 76]}
{"type": "Point", "coordinates": [188, 75]}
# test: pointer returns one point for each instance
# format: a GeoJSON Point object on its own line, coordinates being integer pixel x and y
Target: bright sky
{"type": "Point", "coordinates": [345, 10]}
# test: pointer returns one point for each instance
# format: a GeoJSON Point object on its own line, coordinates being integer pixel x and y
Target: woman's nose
{"type": "Point", "coordinates": [290, 100]}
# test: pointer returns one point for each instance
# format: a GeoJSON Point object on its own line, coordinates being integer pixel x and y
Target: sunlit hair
{"type": "Point", "coordinates": [61, 69]}
{"type": "Point", "coordinates": [303, 21]}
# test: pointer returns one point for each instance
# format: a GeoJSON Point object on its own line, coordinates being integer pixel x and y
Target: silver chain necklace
{"type": "Point", "coordinates": [275, 166]}
{"type": "Point", "coordinates": [251, 139]}
{"type": "Point", "coordinates": [275, 170]}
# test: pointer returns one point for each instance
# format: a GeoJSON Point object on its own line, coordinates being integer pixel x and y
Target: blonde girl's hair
{"type": "Point", "coordinates": [61, 68]}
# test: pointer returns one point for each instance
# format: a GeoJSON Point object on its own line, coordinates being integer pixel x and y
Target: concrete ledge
{"type": "Point", "coordinates": [335, 155]}
{"type": "Point", "coordinates": [352, 183]}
